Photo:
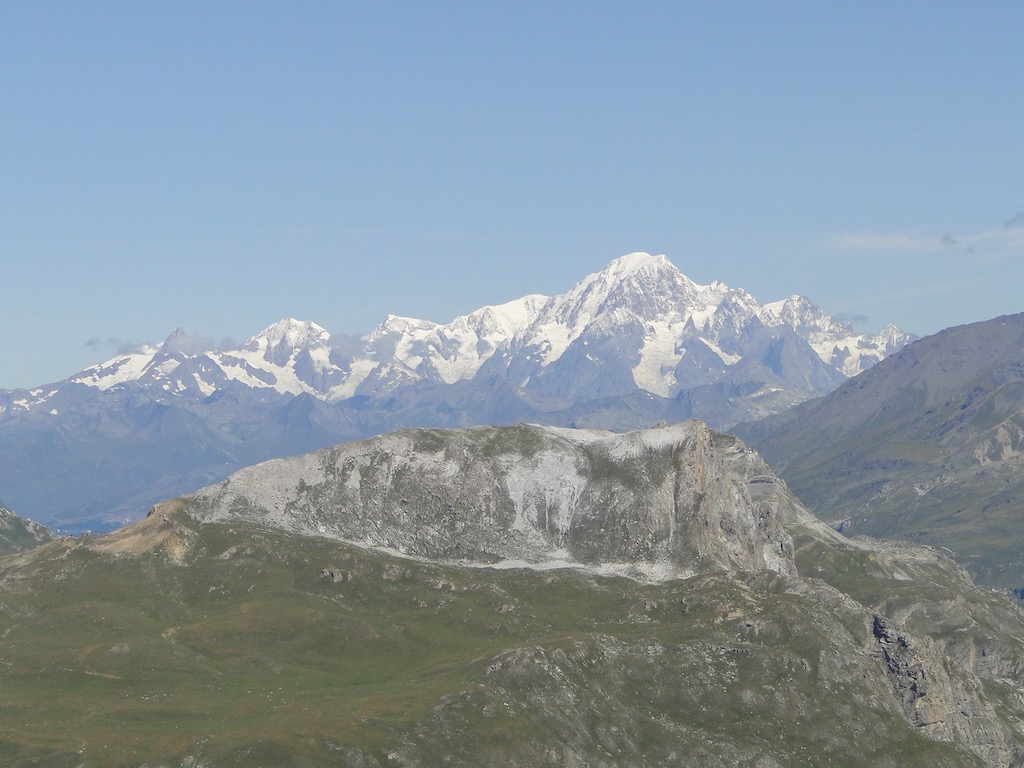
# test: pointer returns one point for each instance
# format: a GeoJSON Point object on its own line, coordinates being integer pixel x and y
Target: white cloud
{"type": "Point", "coordinates": [994, 245]}
{"type": "Point", "coordinates": [989, 245]}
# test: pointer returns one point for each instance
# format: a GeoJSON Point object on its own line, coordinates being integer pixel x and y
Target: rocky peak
{"type": "Point", "coordinates": [288, 333]}
{"type": "Point", "coordinates": [171, 346]}
{"type": "Point", "coordinates": [19, 533]}
{"type": "Point", "coordinates": [891, 339]}
{"type": "Point", "coordinates": [281, 341]}
{"type": "Point", "coordinates": [804, 316]}
{"type": "Point", "coordinates": [166, 357]}
{"type": "Point", "coordinates": [180, 345]}
{"type": "Point", "coordinates": [176, 334]}
{"type": "Point", "coordinates": [645, 285]}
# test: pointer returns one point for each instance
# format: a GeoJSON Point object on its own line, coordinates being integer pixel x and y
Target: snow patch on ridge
{"type": "Point", "coordinates": [118, 370]}
{"type": "Point", "coordinates": [727, 358]}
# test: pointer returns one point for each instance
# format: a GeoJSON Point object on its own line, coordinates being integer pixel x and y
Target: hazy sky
{"type": "Point", "coordinates": [218, 166]}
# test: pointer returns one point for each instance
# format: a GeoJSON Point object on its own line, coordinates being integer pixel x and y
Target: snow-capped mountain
{"type": "Point", "coordinates": [641, 323]}
{"type": "Point", "coordinates": [287, 357]}
{"type": "Point", "coordinates": [636, 343]}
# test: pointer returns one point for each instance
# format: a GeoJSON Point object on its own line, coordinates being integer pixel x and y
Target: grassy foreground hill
{"type": "Point", "coordinates": [174, 643]}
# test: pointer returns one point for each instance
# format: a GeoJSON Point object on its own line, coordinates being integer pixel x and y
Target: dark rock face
{"type": "Point", "coordinates": [933, 697]}
{"type": "Point", "coordinates": [658, 503]}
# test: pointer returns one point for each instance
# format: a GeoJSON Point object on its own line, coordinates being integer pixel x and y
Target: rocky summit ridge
{"type": "Point", "coordinates": [18, 533]}
{"type": "Point", "coordinates": [655, 504]}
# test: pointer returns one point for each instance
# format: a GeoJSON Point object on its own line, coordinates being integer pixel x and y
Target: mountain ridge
{"type": "Point", "coordinates": [18, 533]}
{"type": "Point", "coordinates": [644, 287]}
{"type": "Point", "coordinates": [927, 445]}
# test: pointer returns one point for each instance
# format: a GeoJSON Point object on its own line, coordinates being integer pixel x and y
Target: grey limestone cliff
{"type": "Point", "coordinates": [657, 503]}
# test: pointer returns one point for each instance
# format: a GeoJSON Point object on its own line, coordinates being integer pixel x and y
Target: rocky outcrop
{"type": "Point", "coordinates": [18, 533]}
{"type": "Point", "coordinates": [875, 654]}
{"type": "Point", "coordinates": [937, 696]}
{"type": "Point", "coordinates": [653, 504]}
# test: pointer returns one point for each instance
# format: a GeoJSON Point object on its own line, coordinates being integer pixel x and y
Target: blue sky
{"type": "Point", "coordinates": [218, 166]}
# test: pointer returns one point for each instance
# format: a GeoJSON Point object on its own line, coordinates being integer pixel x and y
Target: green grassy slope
{"type": "Point", "coordinates": [225, 646]}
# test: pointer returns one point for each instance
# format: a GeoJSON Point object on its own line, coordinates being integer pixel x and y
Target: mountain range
{"type": "Point", "coordinates": [632, 345]}
{"type": "Point", "coordinates": [547, 595]}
